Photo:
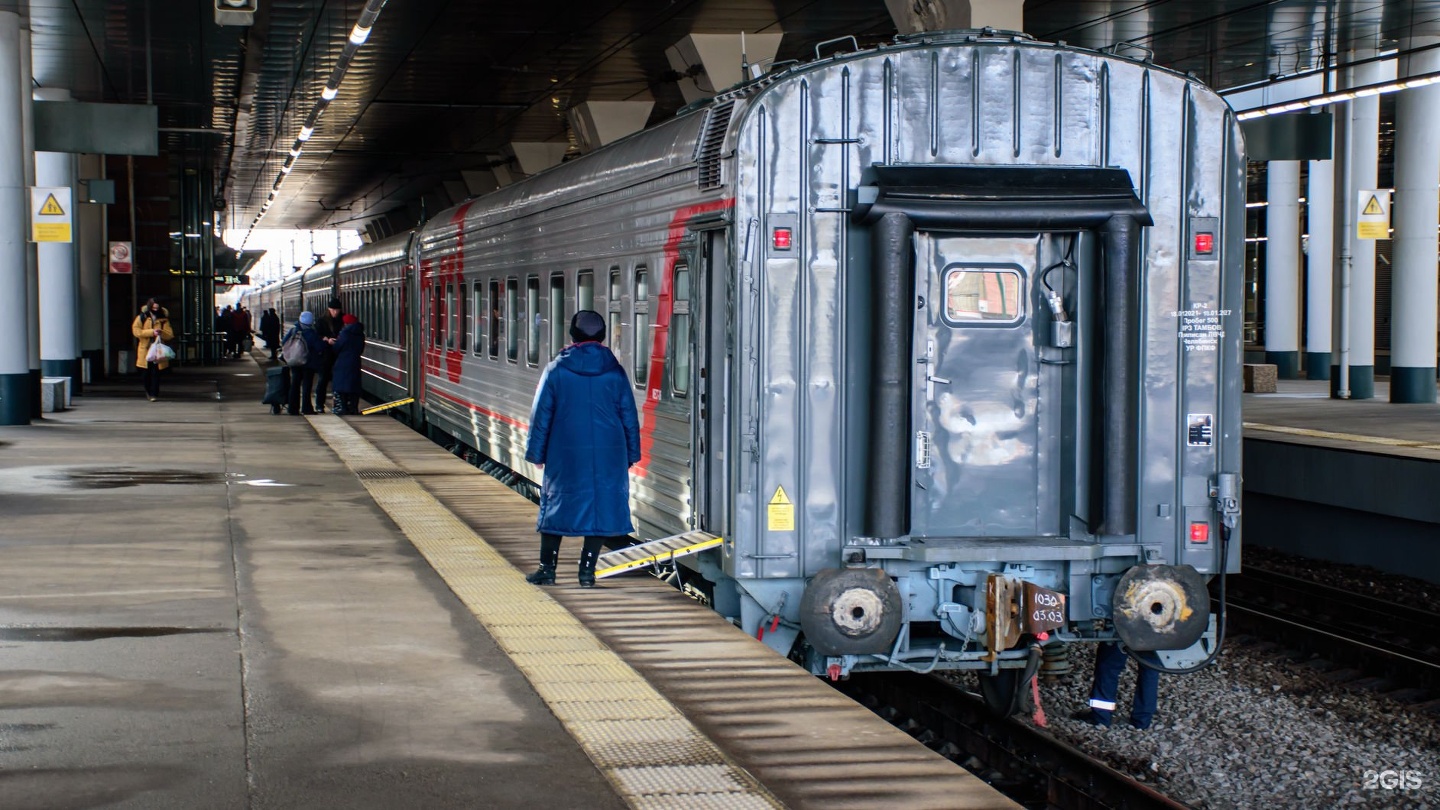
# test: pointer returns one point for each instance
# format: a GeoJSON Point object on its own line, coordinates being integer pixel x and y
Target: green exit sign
{"type": "Point", "coordinates": [232, 280]}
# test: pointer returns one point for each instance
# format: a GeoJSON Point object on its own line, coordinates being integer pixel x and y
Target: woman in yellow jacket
{"type": "Point", "coordinates": [153, 323]}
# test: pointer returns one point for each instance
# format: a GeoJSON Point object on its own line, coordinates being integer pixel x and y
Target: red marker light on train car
{"type": "Point", "coordinates": [1205, 243]}
{"type": "Point", "coordinates": [781, 238]}
{"type": "Point", "coordinates": [1199, 532]}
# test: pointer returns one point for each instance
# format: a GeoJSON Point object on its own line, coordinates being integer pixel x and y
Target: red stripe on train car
{"type": "Point", "coordinates": [451, 270]}
{"type": "Point", "coordinates": [664, 308]}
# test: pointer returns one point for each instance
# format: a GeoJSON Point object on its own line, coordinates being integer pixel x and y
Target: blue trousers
{"type": "Point", "coordinates": [1109, 663]}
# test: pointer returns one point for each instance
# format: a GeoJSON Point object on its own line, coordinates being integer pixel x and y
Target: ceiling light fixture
{"type": "Point", "coordinates": [358, 35]}
{"type": "Point", "coordinates": [1380, 89]}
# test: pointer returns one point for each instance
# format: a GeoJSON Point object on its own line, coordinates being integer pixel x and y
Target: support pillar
{"type": "Point", "coordinates": [1415, 214]}
{"type": "Point", "coordinates": [92, 253]}
{"type": "Point", "coordinates": [1319, 264]}
{"type": "Point", "coordinates": [59, 274]}
{"type": "Point", "coordinates": [1282, 267]}
{"type": "Point", "coordinates": [32, 258]}
{"type": "Point", "coordinates": [14, 342]}
{"type": "Point", "coordinates": [1364, 168]}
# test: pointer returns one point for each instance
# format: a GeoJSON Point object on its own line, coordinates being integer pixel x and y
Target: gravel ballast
{"type": "Point", "coordinates": [1258, 730]}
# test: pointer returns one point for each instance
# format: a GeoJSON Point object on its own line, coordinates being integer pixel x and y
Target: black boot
{"type": "Point", "coordinates": [549, 555]}
{"type": "Point", "coordinates": [588, 555]}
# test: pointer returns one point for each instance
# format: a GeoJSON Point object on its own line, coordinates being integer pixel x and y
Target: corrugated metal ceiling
{"type": "Point", "coordinates": [442, 87]}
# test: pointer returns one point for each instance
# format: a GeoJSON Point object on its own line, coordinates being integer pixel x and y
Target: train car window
{"type": "Point", "coordinates": [451, 322]}
{"type": "Point", "coordinates": [477, 305]}
{"type": "Point", "coordinates": [437, 303]}
{"type": "Point", "coordinates": [497, 323]}
{"type": "Point", "coordinates": [532, 320]}
{"type": "Point", "coordinates": [463, 322]}
{"type": "Point", "coordinates": [616, 301]}
{"type": "Point", "coordinates": [643, 338]}
{"type": "Point", "coordinates": [982, 295]}
{"type": "Point", "coordinates": [680, 332]}
{"type": "Point", "coordinates": [515, 317]}
{"type": "Point", "coordinates": [557, 313]}
{"type": "Point", "coordinates": [585, 290]}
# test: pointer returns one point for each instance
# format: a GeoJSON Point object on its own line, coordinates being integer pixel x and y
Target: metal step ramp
{"type": "Point", "coordinates": [666, 549]}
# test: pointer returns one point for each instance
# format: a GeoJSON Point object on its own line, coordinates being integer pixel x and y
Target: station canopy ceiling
{"type": "Point", "coordinates": [441, 87]}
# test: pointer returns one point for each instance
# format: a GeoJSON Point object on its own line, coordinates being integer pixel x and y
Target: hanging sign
{"type": "Point", "coordinates": [120, 261]}
{"type": "Point", "coordinates": [1374, 219]}
{"type": "Point", "coordinates": [50, 210]}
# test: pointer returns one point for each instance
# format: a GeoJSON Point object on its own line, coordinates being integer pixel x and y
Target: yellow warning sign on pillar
{"type": "Point", "coordinates": [1374, 219]}
{"type": "Point", "coordinates": [780, 513]}
{"type": "Point", "coordinates": [50, 214]}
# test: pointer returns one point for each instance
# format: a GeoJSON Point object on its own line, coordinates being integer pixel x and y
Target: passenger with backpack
{"type": "Point", "coordinates": [302, 351]}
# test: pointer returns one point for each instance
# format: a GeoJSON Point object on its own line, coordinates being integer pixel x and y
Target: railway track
{"type": "Point", "coordinates": [1394, 643]}
{"type": "Point", "coordinates": [1030, 766]}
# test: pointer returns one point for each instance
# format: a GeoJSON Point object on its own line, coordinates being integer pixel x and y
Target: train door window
{"type": "Point", "coordinates": [585, 290]}
{"type": "Point", "coordinates": [557, 313]}
{"type": "Point", "coordinates": [515, 317]}
{"type": "Point", "coordinates": [532, 320]}
{"type": "Point", "coordinates": [680, 332]}
{"type": "Point", "coordinates": [616, 300]}
{"type": "Point", "coordinates": [477, 306]}
{"type": "Point", "coordinates": [982, 295]}
{"type": "Point", "coordinates": [643, 338]}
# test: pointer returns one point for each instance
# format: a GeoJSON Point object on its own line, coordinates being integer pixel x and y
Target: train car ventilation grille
{"type": "Point", "coordinates": [716, 125]}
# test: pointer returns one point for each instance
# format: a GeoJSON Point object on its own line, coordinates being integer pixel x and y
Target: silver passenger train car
{"type": "Point", "coordinates": [942, 338]}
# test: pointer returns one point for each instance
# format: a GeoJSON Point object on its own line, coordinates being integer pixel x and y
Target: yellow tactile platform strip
{"type": "Point", "coordinates": [1343, 437]}
{"type": "Point", "coordinates": [646, 747]}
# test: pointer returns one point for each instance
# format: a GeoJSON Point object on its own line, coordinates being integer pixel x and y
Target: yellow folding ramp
{"type": "Point", "coordinates": [666, 549]}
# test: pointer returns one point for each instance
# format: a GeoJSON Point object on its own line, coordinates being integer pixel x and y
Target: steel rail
{"type": "Point", "coordinates": [1039, 770]}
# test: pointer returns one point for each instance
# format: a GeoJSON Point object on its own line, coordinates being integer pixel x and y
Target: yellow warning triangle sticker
{"type": "Point", "coordinates": [51, 208]}
{"type": "Point", "coordinates": [1372, 208]}
{"type": "Point", "coordinates": [780, 497]}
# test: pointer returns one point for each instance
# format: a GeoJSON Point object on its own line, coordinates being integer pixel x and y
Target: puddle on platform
{"type": "Point", "coordinates": [115, 479]}
{"type": "Point", "coordinates": [97, 633]}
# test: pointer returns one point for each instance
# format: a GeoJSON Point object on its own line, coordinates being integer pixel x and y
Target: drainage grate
{"type": "Point", "coordinates": [380, 475]}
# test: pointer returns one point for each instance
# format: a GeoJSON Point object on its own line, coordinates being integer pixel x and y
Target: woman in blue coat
{"type": "Point", "coordinates": [585, 433]}
{"type": "Point", "coordinates": [347, 348]}
{"type": "Point", "coordinates": [302, 377]}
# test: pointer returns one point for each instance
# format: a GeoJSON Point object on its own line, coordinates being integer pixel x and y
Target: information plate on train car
{"type": "Point", "coordinates": [1044, 609]}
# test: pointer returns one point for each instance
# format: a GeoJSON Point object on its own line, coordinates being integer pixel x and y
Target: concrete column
{"type": "Point", "coordinates": [1282, 267]}
{"type": "Point", "coordinates": [14, 204]}
{"type": "Point", "coordinates": [1364, 166]}
{"type": "Point", "coordinates": [59, 273]}
{"type": "Point", "coordinates": [93, 255]}
{"type": "Point", "coordinates": [1320, 259]}
{"type": "Point", "coordinates": [32, 260]}
{"type": "Point", "coordinates": [1414, 216]}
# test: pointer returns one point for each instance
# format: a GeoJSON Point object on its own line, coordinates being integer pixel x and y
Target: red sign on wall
{"type": "Point", "coordinates": [120, 253]}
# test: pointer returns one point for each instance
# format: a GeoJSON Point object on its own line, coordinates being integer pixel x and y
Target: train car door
{"type": "Point", "coordinates": [978, 469]}
{"type": "Point", "coordinates": [710, 314]}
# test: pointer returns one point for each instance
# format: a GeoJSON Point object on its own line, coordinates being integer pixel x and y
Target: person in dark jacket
{"type": "Point", "coordinates": [347, 348]}
{"type": "Point", "coordinates": [302, 378]}
{"type": "Point", "coordinates": [270, 332]}
{"type": "Point", "coordinates": [585, 434]}
{"type": "Point", "coordinates": [328, 326]}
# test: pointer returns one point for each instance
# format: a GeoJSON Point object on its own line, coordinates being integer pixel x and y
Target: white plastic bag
{"type": "Point", "coordinates": [159, 352]}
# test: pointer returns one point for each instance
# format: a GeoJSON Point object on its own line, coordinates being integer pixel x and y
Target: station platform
{"type": "Point", "coordinates": [1351, 481]}
{"type": "Point", "coordinates": [202, 604]}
